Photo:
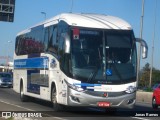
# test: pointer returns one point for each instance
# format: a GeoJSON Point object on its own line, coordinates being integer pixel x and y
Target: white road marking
{"type": "Point", "coordinates": [139, 118]}
{"type": "Point", "coordinates": [16, 105]}
{"type": "Point", "coordinates": [30, 110]}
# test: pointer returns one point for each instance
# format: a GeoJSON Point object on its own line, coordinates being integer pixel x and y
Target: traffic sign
{"type": "Point", "coordinates": [7, 8]}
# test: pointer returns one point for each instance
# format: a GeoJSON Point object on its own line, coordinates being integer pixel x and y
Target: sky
{"type": "Point", "coordinates": [28, 13]}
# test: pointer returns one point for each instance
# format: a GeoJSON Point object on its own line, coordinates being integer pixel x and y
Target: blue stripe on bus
{"type": "Point", "coordinates": [40, 62]}
{"type": "Point", "coordinates": [87, 86]}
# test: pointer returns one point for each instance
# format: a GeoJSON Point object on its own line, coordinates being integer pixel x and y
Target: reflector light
{"type": "Point", "coordinates": [76, 33]}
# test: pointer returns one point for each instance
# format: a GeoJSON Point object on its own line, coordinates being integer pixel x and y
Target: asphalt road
{"type": "Point", "coordinates": [10, 102]}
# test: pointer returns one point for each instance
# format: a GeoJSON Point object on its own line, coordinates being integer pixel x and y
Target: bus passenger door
{"type": "Point", "coordinates": [62, 88]}
{"type": "Point", "coordinates": [62, 32]}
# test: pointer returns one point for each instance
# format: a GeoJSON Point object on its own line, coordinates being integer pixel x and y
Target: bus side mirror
{"type": "Point", "coordinates": [67, 44]}
{"type": "Point", "coordinates": [144, 47]}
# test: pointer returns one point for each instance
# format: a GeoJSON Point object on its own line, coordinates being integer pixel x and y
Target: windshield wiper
{"type": "Point", "coordinates": [116, 70]}
{"type": "Point", "coordinates": [93, 74]}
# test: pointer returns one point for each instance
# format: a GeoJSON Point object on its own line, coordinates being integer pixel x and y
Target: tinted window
{"type": "Point", "coordinates": [5, 75]}
{"type": "Point", "coordinates": [118, 47]}
{"type": "Point", "coordinates": [107, 57]}
{"type": "Point", "coordinates": [63, 57]}
{"type": "Point", "coordinates": [62, 29]}
{"type": "Point", "coordinates": [53, 41]}
{"type": "Point", "coordinates": [31, 42]}
{"type": "Point", "coordinates": [46, 38]}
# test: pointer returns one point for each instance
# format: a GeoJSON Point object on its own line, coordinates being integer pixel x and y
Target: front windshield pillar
{"type": "Point", "coordinates": [104, 55]}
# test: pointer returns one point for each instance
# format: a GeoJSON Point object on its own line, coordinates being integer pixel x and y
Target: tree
{"type": "Point", "coordinates": [156, 77]}
{"type": "Point", "coordinates": [146, 67]}
{"type": "Point", "coordinates": [145, 76]}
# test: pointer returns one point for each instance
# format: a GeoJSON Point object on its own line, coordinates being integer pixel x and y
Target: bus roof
{"type": "Point", "coordinates": [86, 20]}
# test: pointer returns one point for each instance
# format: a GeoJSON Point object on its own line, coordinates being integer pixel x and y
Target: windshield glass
{"type": "Point", "coordinates": [5, 75]}
{"type": "Point", "coordinates": [120, 56]}
{"type": "Point", "coordinates": [94, 50]}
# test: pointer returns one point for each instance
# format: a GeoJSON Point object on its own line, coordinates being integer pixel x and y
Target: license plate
{"type": "Point", "coordinates": [103, 104]}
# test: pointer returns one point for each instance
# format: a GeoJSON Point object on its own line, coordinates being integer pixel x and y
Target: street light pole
{"type": "Point", "coordinates": [71, 7]}
{"type": "Point", "coordinates": [150, 80]}
{"type": "Point", "coordinates": [139, 47]}
{"type": "Point", "coordinates": [7, 64]}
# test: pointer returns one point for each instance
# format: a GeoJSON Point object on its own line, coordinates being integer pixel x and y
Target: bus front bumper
{"type": "Point", "coordinates": [76, 98]}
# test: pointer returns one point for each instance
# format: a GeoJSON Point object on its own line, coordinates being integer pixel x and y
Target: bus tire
{"type": "Point", "coordinates": [56, 106]}
{"type": "Point", "coordinates": [22, 96]}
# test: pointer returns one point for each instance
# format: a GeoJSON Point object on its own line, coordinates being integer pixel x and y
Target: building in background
{"type": "Point", "coordinates": [7, 68]}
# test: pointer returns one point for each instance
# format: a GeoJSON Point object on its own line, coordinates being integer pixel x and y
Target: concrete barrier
{"type": "Point", "coordinates": [142, 96]}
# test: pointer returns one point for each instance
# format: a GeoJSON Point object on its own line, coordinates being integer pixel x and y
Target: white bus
{"type": "Point", "coordinates": [78, 60]}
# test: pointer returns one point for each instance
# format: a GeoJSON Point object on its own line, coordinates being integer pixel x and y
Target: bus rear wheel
{"type": "Point", "coordinates": [56, 106]}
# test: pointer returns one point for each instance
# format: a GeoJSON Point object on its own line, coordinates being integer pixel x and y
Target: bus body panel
{"type": "Point", "coordinates": [123, 101]}
{"type": "Point", "coordinates": [39, 66]}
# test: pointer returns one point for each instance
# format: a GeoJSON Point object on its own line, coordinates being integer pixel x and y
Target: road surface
{"type": "Point", "coordinates": [10, 102]}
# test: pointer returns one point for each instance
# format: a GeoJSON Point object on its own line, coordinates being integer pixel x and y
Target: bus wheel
{"type": "Point", "coordinates": [154, 105]}
{"type": "Point", "coordinates": [56, 106]}
{"type": "Point", "coordinates": [22, 96]}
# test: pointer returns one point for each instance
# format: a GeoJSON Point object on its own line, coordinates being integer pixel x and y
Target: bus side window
{"type": "Point", "coordinates": [55, 40]}
{"type": "Point", "coordinates": [61, 46]}
{"type": "Point", "coordinates": [62, 29]}
{"type": "Point", "coordinates": [46, 38]}
{"type": "Point", "coordinates": [63, 57]}
{"type": "Point", "coordinates": [50, 42]}
{"type": "Point", "coordinates": [17, 45]}
{"type": "Point", "coordinates": [53, 44]}
{"type": "Point", "coordinates": [60, 39]}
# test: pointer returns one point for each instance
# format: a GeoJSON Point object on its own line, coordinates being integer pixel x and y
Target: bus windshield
{"type": "Point", "coordinates": [104, 57]}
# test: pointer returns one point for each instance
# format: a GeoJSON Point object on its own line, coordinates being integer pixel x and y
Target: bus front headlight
{"type": "Point", "coordinates": [131, 89]}
{"type": "Point", "coordinates": [79, 89]}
